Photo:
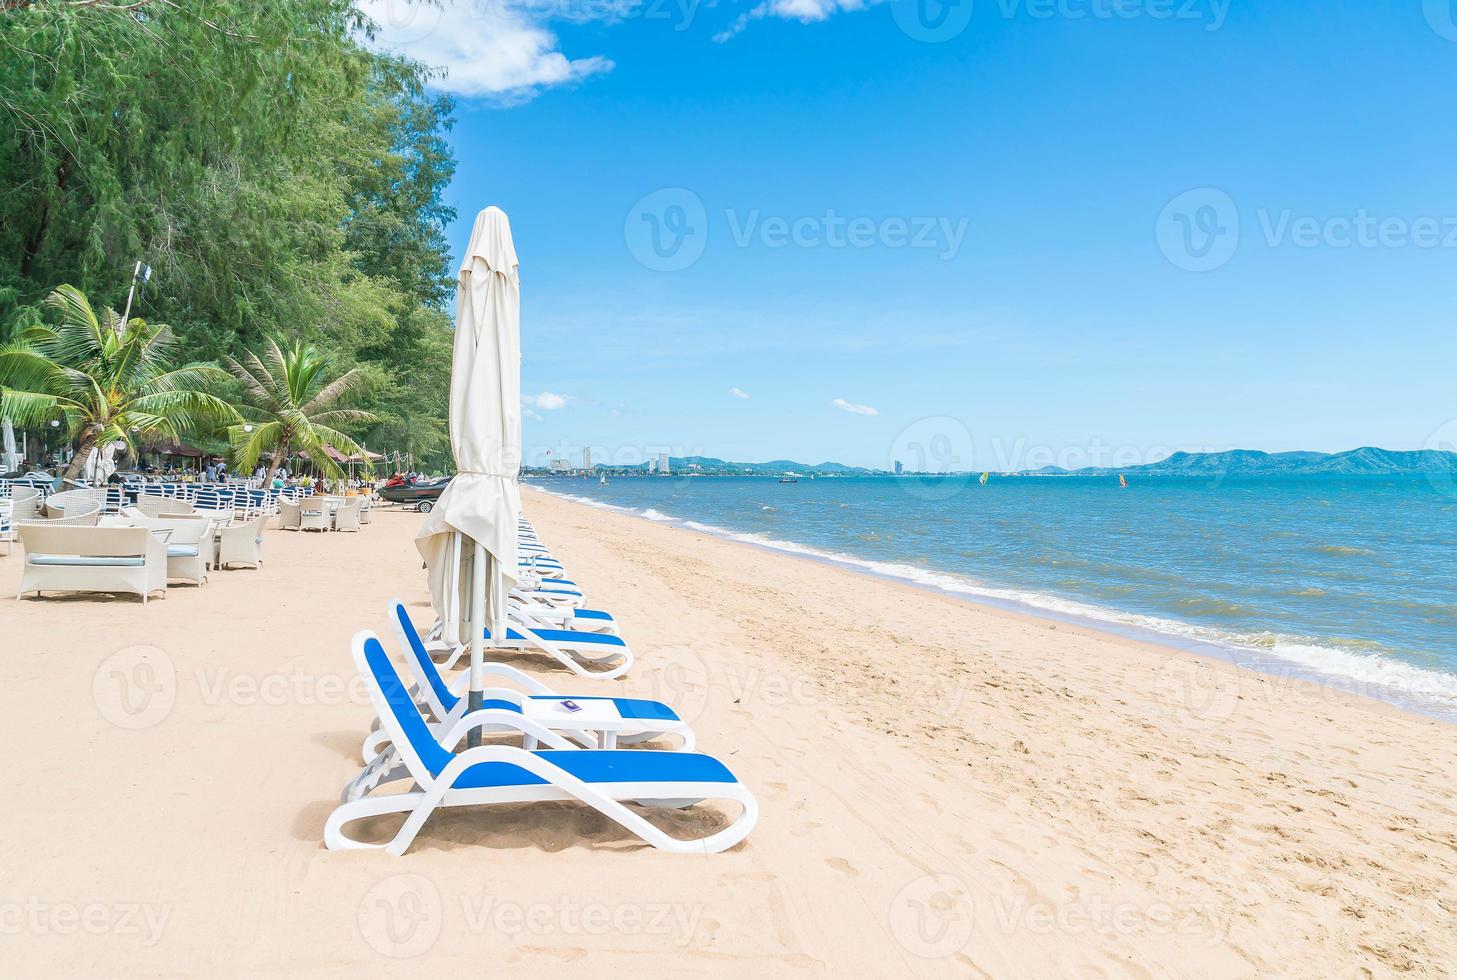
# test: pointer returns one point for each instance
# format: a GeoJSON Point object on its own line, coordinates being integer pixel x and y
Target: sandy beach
{"type": "Point", "coordinates": [945, 789]}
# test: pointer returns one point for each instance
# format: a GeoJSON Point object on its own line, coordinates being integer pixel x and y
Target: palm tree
{"type": "Point", "coordinates": [290, 408]}
{"type": "Point", "coordinates": [106, 381]}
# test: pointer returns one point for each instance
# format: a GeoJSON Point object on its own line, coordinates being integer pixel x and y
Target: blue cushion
{"type": "Point", "coordinates": [568, 637]}
{"type": "Point", "coordinates": [606, 617]}
{"type": "Point", "coordinates": [406, 713]}
{"type": "Point", "coordinates": [604, 766]}
{"type": "Point", "coordinates": [182, 551]}
{"type": "Point", "coordinates": [424, 666]}
{"type": "Point", "coordinates": [89, 561]}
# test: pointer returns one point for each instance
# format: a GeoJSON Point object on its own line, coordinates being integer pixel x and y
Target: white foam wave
{"type": "Point", "coordinates": [1373, 675]}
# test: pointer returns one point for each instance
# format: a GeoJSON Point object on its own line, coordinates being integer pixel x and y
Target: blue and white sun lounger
{"type": "Point", "coordinates": [573, 649]}
{"type": "Point", "coordinates": [604, 723]}
{"type": "Point", "coordinates": [490, 774]}
{"type": "Point", "coordinates": [532, 609]}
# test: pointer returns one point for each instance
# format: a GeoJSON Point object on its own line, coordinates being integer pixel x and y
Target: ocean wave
{"type": "Point", "coordinates": [1372, 674]}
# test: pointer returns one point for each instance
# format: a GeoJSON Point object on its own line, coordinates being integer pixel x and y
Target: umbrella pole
{"type": "Point", "coordinates": [450, 607]}
{"type": "Point", "coordinates": [477, 636]}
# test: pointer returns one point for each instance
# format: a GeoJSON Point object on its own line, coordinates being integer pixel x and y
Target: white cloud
{"type": "Point", "coordinates": [739, 393]}
{"type": "Point", "coordinates": [546, 401]}
{"type": "Point", "coordinates": [492, 48]}
{"type": "Point", "coordinates": [804, 11]}
{"type": "Point", "coordinates": [854, 409]}
{"type": "Point", "coordinates": [532, 415]}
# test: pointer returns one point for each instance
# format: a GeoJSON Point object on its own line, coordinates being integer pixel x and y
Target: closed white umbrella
{"type": "Point", "coordinates": [469, 538]}
{"type": "Point", "coordinates": [12, 456]}
{"type": "Point", "coordinates": [102, 462]}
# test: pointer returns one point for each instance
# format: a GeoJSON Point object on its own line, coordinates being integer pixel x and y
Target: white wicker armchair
{"type": "Point", "coordinates": [242, 544]}
{"type": "Point", "coordinates": [75, 503]}
{"type": "Point", "coordinates": [288, 515]}
{"type": "Point", "coordinates": [346, 518]}
{"type": "Point", "coordinates": [313, 515]}
{"type": "Point", "coordinates": [155, 506]}
{"type": "Point", "coordinates": [25, 502]}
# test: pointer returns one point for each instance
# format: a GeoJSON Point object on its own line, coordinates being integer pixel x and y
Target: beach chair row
{"type": "Point", "coordinates": [244, 500]}
{"type": "Point", "coordinates": [547, 746]}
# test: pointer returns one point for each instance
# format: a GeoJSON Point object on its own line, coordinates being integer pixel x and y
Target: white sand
{"type": "Point", "coordinates": [945, 789]}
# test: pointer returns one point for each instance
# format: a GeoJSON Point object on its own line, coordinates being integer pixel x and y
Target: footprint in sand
{"type": "Point", "coordinates": [566, 954]}
{"type": "Point", "coordinates": [844, 867]}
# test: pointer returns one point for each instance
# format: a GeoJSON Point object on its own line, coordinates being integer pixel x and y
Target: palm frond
{"type": "Point", "coordinates": [256, 389]}
{"type": "Point", "coordinates": [332, 391]}
{"type": "Point", "coordinates": [30, 409]}
{"type": "Point", "coordinates": [249, 446]}
{"type": "Point", "coordinates": [189, 376]}
{"type": "Point", "coordinates": [188, 411]}
{"type": "Point", "coordinates": [80, 331]}
{"type": "Point", "coordinates": [25, 368]}
{"type": "Point", "coordinates": [344, 416]}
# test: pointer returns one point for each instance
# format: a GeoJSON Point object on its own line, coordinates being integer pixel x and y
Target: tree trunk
{"type": "Point", "coordinates": [280, 453]}
{"type": "Point", "coordinates": [77, 466]}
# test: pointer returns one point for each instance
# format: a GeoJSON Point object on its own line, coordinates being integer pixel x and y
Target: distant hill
{"type": "Point", "coordinates": [1367, 461]}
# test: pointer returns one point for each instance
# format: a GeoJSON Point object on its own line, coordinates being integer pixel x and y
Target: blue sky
{"type": "Point", "coordinates": [1072, 231]}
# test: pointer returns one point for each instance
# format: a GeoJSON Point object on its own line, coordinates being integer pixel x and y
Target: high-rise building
{"type": "Point", "coordinates": [586, 459]}
{"type": "Point", "coordinates": [899, 468]}
{"type": "Point", "coordinates": [662, 464]}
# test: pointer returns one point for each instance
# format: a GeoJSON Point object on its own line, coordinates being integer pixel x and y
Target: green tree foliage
{"type": "Point", "coordinates": [107, 381]}
{"type": "Point", "coordinates": [293, 406]}
{"type": "Point", "coordinates": [281, 179]}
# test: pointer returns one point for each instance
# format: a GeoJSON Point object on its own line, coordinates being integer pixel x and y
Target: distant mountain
{"type": "Point", "coordinates": [1367, 461]}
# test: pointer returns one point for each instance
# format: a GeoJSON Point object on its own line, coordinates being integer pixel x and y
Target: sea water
{"type": "Point", "coordinates": [1350, 581]}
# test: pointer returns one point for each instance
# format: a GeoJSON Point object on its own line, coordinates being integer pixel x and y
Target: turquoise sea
{"type": "Point", "coordinates": [1351, 581]}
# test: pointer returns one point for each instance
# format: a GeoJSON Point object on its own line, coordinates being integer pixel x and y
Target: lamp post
{"type": "Point", "coordinates": [140, 274]}
{"type": "Point", "coordinates": [52, 447]}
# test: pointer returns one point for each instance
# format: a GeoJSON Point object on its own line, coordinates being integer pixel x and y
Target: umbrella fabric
{"type": "Point", "coordinates": [11, 459]}
{"type": "Point", "coordinates": [102, 462]}
{"type": "Point", "coordinates": [482, 501]}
